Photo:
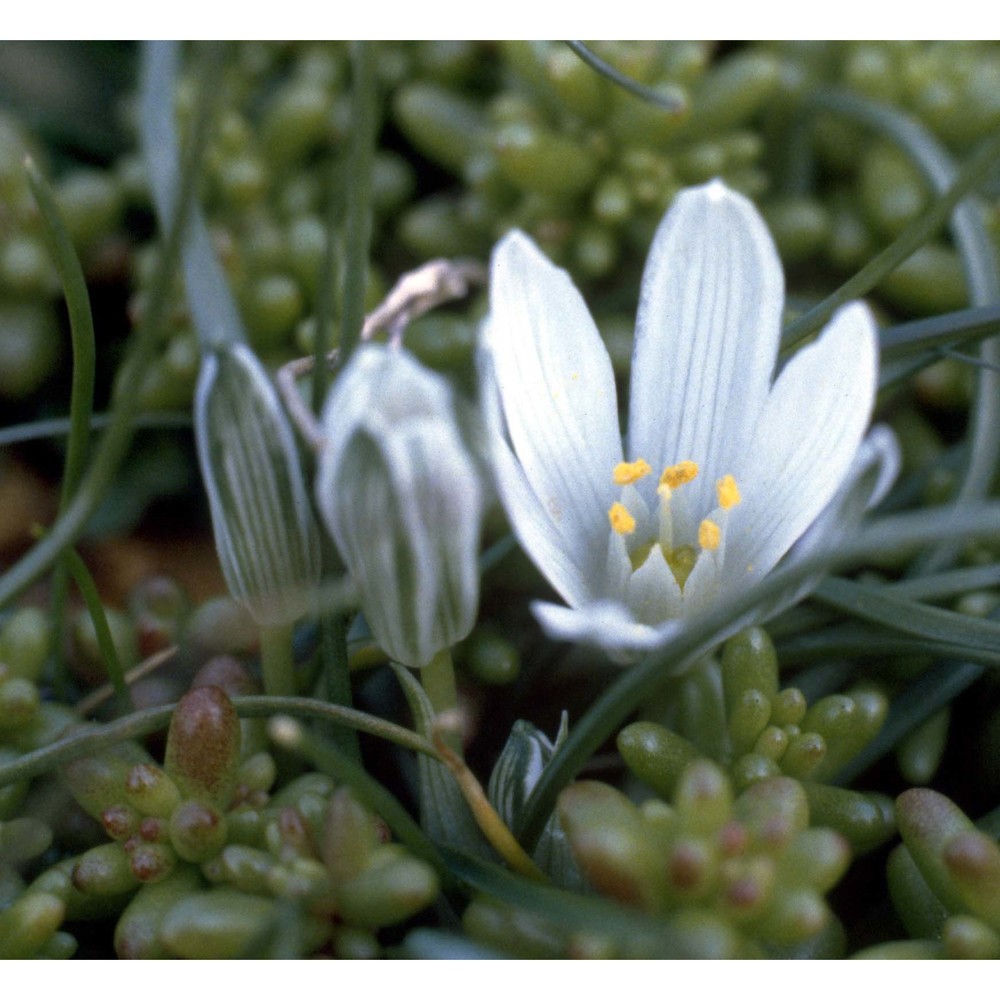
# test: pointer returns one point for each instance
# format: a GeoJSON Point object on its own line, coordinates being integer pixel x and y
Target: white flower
{"type": "Point", "coordinates": [401, 497]}
{"type": "Point", "coordinates": [722, 471]}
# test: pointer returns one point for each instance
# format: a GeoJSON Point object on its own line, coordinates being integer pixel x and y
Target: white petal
{"type": "Point", "coordinates": [706, 339]}
{"type": "Point", "coordinates": [560, 559]}
{"type": "Point", "coordinates": [804, 443]}
{"type": "Point", "coordinates": [654, 596]}
{"type": "Point", "coordinates": [872, 472]}
{"type": "Point", "coordinates": [703, 582]}
{"type": "Point", "coordinates": [618, 570]}
{"type": "Point", "coordinates": [557, 394]}
{"type": "Point", "coordinates": [604, 624]}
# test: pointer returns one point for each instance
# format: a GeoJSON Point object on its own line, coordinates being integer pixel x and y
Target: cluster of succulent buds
{"type": "Point", "coordinates": [732, 711]}
{"type": "Point", "coordinates": [944, 880]}
{"type": "Point", "coordinates": [723, 874]}
{"type": "Point", "coordinates": [203, 860]}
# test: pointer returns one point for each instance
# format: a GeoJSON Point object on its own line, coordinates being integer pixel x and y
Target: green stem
{"type": "Point", "coordinates": [81, 326]}
{"type": "Point", "coordinates": [358, 191]}
{"type": "Point", "coordinates": [326, 291]}
{"type": "Point", "coordinates": [290, 735]}
{"type": "Point", "coordinates": [36, 430]}
{"type": "Point", "coordinates": [671, 102]}
{"type": "Point", "coordinates": [438, 679]}
{"type": "Point", "coordinates": [277, 659]}
{"type": "Point", "coordinates": [115, 442]}
{"type": "Point", "coordinates": [337, 674]}
{"type": "Point", "coordinates": [85, 584]}
{"type": "Point", "coordinates": [81, 743]}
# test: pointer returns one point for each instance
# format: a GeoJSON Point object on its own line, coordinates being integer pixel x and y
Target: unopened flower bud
{"type": "Point", "coordinates": [401, 497]}
{"type": "Point", "coordinates": [264, 530]}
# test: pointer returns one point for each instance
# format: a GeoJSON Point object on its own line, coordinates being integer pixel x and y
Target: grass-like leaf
{"type": "Point", "coordinates": [901, 614]}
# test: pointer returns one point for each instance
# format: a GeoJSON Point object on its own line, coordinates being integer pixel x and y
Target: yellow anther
{"type": "Point", "coordinates": [626, 473]}
{"type": "Point", "coordinates": [679, 474]}
{"type": "Point", "coordinates": [622, 522]}
{"type": "Point", "coordinates": [709, 535]}
{"type": "Point", "coordinates": [728, 491]}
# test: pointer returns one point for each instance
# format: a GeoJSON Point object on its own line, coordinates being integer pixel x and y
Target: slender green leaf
{"type": "Point", "coordinates": [975, 170]}
{"type": "Point", "coordinates": [88, 590]}
{"type": "Point", "coordinates": [358, 192]}
{"type": "Point", "coordinates": [876, 604]}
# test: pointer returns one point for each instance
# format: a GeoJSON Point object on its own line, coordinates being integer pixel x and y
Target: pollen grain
{"type": "Point", "coordinates": [622, 522]}
{"type": "Point", "coordinates": [626, 473]}
{"type": "Point", "coordinates": [679, 474]}
{"type": "Point", "coordinates": [728, 491]}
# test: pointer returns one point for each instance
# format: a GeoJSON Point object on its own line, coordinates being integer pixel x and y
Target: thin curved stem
{"type": "Point", "coordinates": [134, 726]}
{"type": "Point", "coordinates": [667, 101]}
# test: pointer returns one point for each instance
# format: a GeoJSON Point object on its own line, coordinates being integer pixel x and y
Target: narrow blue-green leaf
{"type": "Point", "coordinates": [444, 813]}
{"type": "Point", "coordinates": [213, 309]}
{"type": "Point", "coordinates": [497, 552]}
{"type": "Point", "coordinates": [934, 587]}
{"type": "Point", "coordinates": [879, 605]}
{"type": "Point", "coordinates": [963, 326]}
{"type": "Point", "coordinates": [975, 170]}
{"type": "Point", "coordinates": [866, 641]}
{"type": "Point", "coordinates": [38, 430]}
{"type": "Point", "coordinates": [951, 583]}
{"type": "Point", "coordinates": [81, 403]}
{"type": "Point", "coordinates": [981, 265]}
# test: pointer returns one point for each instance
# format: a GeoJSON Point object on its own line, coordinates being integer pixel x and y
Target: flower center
{"type": "Point", "coordinates": [629, 516]}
